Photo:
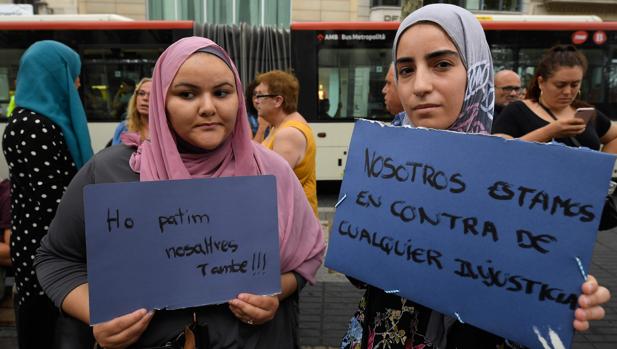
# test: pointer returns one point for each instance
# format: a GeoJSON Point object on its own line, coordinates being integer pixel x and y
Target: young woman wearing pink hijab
{"type": "Point", "coordinates": [198, 129]}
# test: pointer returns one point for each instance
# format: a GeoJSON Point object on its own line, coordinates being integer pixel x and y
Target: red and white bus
{"type": "Point", "coordinates": [341, 67]}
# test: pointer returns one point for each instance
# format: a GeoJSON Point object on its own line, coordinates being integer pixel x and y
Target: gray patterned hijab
{"type": "Point", "coordinates": [477, 112]}
{"type": "Point", "coordinates": [468, 36]}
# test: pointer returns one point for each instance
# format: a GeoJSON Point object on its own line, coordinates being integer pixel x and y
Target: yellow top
{"type": "Point", "coordinates": [305, 170]}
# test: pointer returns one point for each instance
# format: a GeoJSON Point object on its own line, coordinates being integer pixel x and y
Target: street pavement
{"type": "Point", "coordinates": [326, 307]}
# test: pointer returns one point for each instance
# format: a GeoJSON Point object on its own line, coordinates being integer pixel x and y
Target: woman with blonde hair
{"type": "Point", "coordinates": [137, 113]}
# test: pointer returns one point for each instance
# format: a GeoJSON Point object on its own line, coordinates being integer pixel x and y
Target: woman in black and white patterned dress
{"type": "Point", "coordinates": [44, 144]}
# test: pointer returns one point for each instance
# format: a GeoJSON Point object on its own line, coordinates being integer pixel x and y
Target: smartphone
{"type": "Point", "coordinates": [585, 113]}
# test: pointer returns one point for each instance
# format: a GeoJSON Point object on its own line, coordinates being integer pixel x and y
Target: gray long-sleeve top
{"type": "Point", "coordinates": [61, 267]}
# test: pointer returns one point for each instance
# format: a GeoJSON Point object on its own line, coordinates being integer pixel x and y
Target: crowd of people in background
{"type": "Point", "coordinates": [256, 131]}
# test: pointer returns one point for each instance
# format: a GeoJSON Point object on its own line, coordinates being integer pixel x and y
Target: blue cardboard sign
{"type": "Point", "coordinates": [477, 227]}
{"type": "Point", "coordinates": [178, 244]}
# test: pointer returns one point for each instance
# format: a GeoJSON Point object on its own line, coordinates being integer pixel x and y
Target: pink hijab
{"type": "Point", "coordinates": [160, 159]}
{"type": "Point", "coordinates": [300, 236]}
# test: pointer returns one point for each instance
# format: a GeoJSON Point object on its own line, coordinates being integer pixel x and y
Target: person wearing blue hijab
{"type": "Point", "coordinates": [47, 74]}
{"type": "Point", "coordinates": [45, 142]}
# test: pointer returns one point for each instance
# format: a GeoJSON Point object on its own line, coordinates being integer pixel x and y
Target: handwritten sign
{"type": "Point", "coordinates": [487, 229]}
{"type": "Point", "coordinates": [178, 244]}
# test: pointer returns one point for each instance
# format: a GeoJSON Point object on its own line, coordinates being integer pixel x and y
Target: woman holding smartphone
{"type": "Point", "coordinates": [549, 110]}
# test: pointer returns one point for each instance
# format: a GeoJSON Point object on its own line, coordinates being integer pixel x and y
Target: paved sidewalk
{"type": "Point", "coordinates": [325, 310]}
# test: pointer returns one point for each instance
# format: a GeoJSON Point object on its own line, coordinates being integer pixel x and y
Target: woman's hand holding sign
{"type": "Point", "coordinates": [253, 309]}
{"type": "Point", "coordinates": [590, 304]}
{"type": "Point", "coordinates": [122, 331]}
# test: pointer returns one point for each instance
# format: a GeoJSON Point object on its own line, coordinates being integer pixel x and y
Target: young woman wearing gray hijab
{"type": "Point", "coordinates": [444, 75]}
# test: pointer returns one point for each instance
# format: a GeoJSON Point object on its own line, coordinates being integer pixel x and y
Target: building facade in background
{"type": "Point", "coordinates": [282, 12]}
{"type": "Point", "coordinates": [255, 12]}
{"type": "Point", "coordinates": [389, 10]}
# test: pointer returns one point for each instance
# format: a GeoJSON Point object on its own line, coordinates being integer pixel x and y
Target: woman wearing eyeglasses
{"type": "Point", "coordinates": [276, 101]}
{"type": "Point", "coordinates": [549, 108]}
{"type": "Point", "coordinates": [137, 113]}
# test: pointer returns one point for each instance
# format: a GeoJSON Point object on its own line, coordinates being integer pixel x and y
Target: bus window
{"type": "Point", "coordinates": [9, 63]}
{"type": "Point", "coordinates": [612, 76]}
{"type": "Point", "coordinates": [593, 87]}
{"type": "Point", "coordinates": [528, 59]}
{"type": "Point", "coordinates": [350, 82]}
{"type": "Point", "coordinates": [606, 78]}
{"type": "Point", "coordinates": [503, 57]}
{"type": "Point", "coordinates": [5, 96]}
{"type": "Point", "coordinates": [109, 76]}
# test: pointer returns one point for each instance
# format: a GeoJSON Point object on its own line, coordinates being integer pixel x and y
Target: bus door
{"type": "Point", "coordinates": [351, 69]}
